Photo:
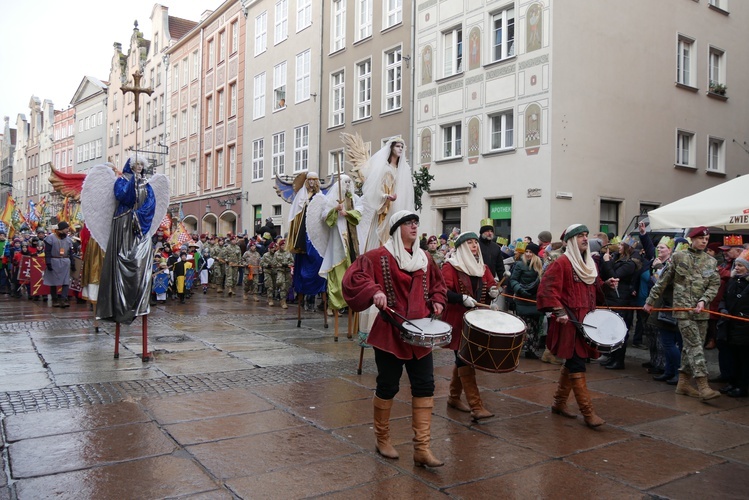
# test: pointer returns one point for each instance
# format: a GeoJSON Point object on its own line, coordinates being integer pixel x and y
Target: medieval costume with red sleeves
{"type": "Point", "coordinates": [412, 285]}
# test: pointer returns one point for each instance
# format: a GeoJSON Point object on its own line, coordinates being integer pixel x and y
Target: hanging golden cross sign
{"type": "Point", "coordinates": [137, 90]}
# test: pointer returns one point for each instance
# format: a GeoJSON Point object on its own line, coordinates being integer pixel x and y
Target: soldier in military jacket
{"type": "Point", "coordinates": [267, 262]}
{"type": "Point", "coordinates": [283, 263]}
{"type": "Point", "coordinates": [233, 259]}
{"type": "Point", "coordinates": [695, 279]}
{"type": "Point", "coordinates": [251, 262]}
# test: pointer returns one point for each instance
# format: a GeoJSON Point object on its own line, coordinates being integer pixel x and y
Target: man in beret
{"type": "Point", "coordinates": [402, 277]}
{"type": "Point", "coordinates": [695, 280]}
{"type": "Point", "coordinates": [570, 288]}
{"type": "Point", "coordinates": [434, 252]}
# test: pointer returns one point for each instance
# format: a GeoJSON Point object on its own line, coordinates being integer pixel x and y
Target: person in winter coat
{"type": "Point", "coordinates": [526, 275]}
{"type": "Point", "coordinates": [736, 303]}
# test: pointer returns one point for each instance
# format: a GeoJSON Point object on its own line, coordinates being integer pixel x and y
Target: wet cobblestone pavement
{"type": "Point", "coordinates": [240, 403]}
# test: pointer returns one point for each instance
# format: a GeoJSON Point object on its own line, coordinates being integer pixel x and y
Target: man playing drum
{"type": "Point", "coordinates": [402, 277]}
{"type": "Point", "coordinates": [570, 288]}
{"type": "Point", "coordinates": [469, 281]}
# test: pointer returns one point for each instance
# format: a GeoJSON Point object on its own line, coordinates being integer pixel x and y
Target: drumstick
{"type": "Point", "coordinates": [582, 324]}
{"type": "Point", "coordinates": [486, 306]}
{"type": "Point", "coordinates": [405, 320]}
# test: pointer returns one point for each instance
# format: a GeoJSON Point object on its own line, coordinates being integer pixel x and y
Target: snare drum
{"type": "Point", "coordinates": [426, 332]}
{"type": "Point", "coordinates": [491, 340]}
{"type": "Point", "coordinates": [604, 330]}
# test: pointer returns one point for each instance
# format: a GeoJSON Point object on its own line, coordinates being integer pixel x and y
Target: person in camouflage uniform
{"type": "Point", "coordinates": [267, 263]}
{"type": "Point", "coordinates": [435, 252]}
{"type": "Point", "coordinates": [251, 262]}
{"type": "Point", "coordinates": [283, 262]}
{"type": "Point", "coordinates": [233, 258]}
{"type": "Point", "coordinates": [219, 265]}
{"type": "Point", "coordinates": [695, 279]}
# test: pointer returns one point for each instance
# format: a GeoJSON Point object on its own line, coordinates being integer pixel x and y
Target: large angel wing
{"type": "Point", "coordinates": [98, 203]}
{"type": "Point", "coordinates": [160, 185]}
{"type": "Point", "coordinates": [357, 154]}
{"type": "Point", "coordinates": [67, 184]}
{"type": "Point", "coordinates": [317, 230]}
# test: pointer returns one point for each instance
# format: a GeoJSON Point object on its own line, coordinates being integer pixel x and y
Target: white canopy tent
{"type": "Point", "coordinates": [724, 206]}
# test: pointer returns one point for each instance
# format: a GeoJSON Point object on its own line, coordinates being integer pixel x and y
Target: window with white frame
{"type": "Point", "coordinates": [685, 61]}
{"type": "Point", "coordinates": [211, 54]}
{"type": "Point", "coordinates": [221, 105]}
{"type": "Point", "coordinates": [501, 131]}
{"type": "Point", "coordinates": [185, 71]}
{"type": "Point", "coordinates": [451, 140]}
{"type": "Point", "coordinates": [335, 162]}
{"type": "Point", "coordinates": [393, 11]}
{"type": "Point", "coordinates": [232, 165]}
{"type": "Point", "coordinates": [98, 150]}
{"type": "Point", "coordinates": [233, 99]}
{"type": "Point", "coordinates": [193, 175]}
{"type": "Point", "coordinates": [302, 76]}
{"type": "Point", "coordinates": [162, 110]}
{"type": "Point", "coordinates": [337, 98]}
{"type": "Point", "coordinates": [281, 28]}
{"type": "Point", "coordinates": [685, 148]}
{"type": "Point", "coordinates": [258, 106]}
{"type": "Point", "coordinates": [301, 148]}
{"type": "Point", "coordinates": [208, 171]}
{"type": "Point", "coordinates": [364, 89]}
{"type": "Point", "coordinates": [234, 32]}
{"type": "Point", "coordinates": [715, 155]}
{"type": "Point", "coordinates": [452, 49]}
{"type": "Point", "coordinates": [195, 65]}
{"type": "Point", "coordinates": [176, 77]}
{"type": "Point", "coordinates": [175, 127]}
{"type": "Point", "coordinates": [183, 178]}
{"type": "Point", "coordinates": [155, 110]}
{"type": "Point", "coordinates": [261, 33]}
{"type": "Point", "coordinates": [716, 70]}
{"type": "Point", "coordinates": [222, 46]}
{"type": "Point", "coordinates": [393, 82]}
{"type": "Point", "coordinates": [173, 177]}
{"type": "Point", "coordinates": [209, 111]}
{"type": "Point", "coordinates": [219, 168]}
{"type": "Point", "coordinates": [279, 86]}
{"type": "Point", "coordinates": [279, 153]}
{"type": "Point", "coordinates": [257, 159]}
{"type": "Point", "coordinates": [503, 34]}
{"type": "Point", "coordinates": [338, 25]}
{"type": "Point", "coordinates": [183, 128]}
{"type": "Point", "coordinates": [721, 4]}
{"type": "Point", "coordinates": [194, 121]}
{"type": "Point", "coordinates": [363, 19]}
{"type": "Point", "coordinates": [303, 14]}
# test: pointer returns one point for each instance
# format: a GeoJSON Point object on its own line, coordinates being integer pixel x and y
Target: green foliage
{"type": "Point", "coordinates": [422, 182]}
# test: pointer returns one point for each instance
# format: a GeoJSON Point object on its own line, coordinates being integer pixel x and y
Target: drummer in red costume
{"type": "Point", "coordinates": [469, 281]}
{"type": "Point", "coordinates": [570, 288]}
{"type": "Point", "coordinates": [401, 276]}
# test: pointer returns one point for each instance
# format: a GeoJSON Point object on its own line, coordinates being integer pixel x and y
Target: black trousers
{"type": "Point", "coordinates": [740, 365]}
{"type": "Point", "coordinates": [390, 368]}
{"type": "Point", "coordinates": [575, 364]}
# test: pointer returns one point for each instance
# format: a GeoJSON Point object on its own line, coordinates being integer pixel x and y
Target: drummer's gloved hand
{"type": "Point", "coordinates": [469, 301]}
{"type": "Point", "coordinates": [494, 292]}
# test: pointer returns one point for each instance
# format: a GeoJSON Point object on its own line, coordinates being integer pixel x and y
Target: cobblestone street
{"type": "Point", "coordinates": [238, 402]}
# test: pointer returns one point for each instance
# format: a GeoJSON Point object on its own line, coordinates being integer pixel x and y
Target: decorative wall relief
{"type": "Point", "coordinates": [534, 35]}
{"type": "Point", "coordinates": [474, 142]}
{"type": "Point", "coordinates": [426, 147]}
{"type": "Point", "coordinates": [426, 65]}
{"type": "Point", "coordinates": [474, 44]}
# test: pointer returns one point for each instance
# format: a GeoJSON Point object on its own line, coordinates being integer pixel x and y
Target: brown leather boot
{"type": "Point", "coordinates": [467, 376]}
{"type": "Point", "coordinates": [684, 388]}
{"type": "Point", "coordinates": [421, 421]}
{"type": "Point", "coordinates": [705, 391]}
{"type": "Point", "coordinates": [559, 407]}
{"type": "Point", "coordinates": [583, 400]}
{"type": "Point", "coordinates": [382, 427]}
{"type": "Point", "coordinates": [548, 357]}
{"type": "Point", "coordinates": [456, 388]}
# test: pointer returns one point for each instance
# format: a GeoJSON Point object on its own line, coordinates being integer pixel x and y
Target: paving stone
{"type": "Point", "coordinates": [727, 481]}
{"type": "Point", "coordinates": [190, 407]}
{"type": "Point", "coordinates": [696, 432]}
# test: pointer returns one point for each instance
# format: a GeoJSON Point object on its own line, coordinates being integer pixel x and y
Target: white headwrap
{"type": "Point", "coordinates": [584, 267]}
{"type": "Point", "coordinates": [464, 260]}
{"type": "Point", "coordinates": [409, 262]}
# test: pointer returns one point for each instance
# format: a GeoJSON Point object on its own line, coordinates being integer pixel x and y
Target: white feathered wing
{"type": "Point", "coordinates": [98, 203]}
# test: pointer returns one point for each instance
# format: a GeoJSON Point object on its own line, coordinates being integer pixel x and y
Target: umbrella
{"type": "Point", "coordinates": [724, 206]}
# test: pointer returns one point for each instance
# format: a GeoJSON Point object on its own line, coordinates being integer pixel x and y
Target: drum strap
{"type": "Point", "coordinates": [392, 321]}
{"type": "Point", "coordinates": [578, 324]}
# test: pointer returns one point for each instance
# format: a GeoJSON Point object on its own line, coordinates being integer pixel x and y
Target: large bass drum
{"type": "Point", "coordinates": [491, 340]}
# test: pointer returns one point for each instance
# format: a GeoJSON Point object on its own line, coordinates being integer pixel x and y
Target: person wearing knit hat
{"type": "Point", "coordinates": [570, 288]}
{"type": "Point", "coordinates": [490, 250]}
{"type": "Point", "coordinates": [735, 304]}
{"type": "Point", "coordinates": [399, 276]}
{"type": "Point", "coordinates": [469, 281]}
{"type": "Point", "coordinates": [695, 285]}
{"type": "Point", "coordinates": [524, 281]}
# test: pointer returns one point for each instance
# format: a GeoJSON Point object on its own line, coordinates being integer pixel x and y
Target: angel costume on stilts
{"type": "Point", "coordinates": [120, 213]}
{"type": "Point", "coordinates": [387, 188]}
{"type": "Point", "coordinates": [332, 228]}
